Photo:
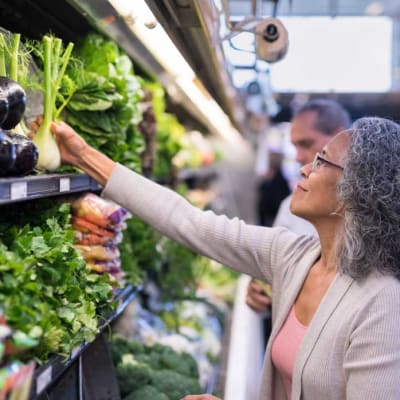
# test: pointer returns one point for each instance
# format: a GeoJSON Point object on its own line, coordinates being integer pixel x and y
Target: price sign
{"type": "Point", "coordinates": [43, 379]}
{"type": "Point", "coordinates": [65, 184]}
{"type": "Point", "coordinates": [19, 190]}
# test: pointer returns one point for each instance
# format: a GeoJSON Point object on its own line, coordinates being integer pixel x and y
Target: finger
{"type": "Point", "coordinates": [258, 302]}
{"type": "Point", "coordinates": [254, 287]}
{"type": "Point", "coordinates": [255, 306]}
{"type": "Point", "coordinates": [61, 129]}
{"type": "Point", "coordinates": [54, 127]}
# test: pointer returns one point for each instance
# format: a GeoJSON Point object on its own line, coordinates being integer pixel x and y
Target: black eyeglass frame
{"type": "Point", "coordinates": [319, 158]}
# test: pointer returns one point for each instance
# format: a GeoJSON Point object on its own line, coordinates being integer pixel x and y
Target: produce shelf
{"type": "Point", "coordinates": [46, 375]}
{"type": "Point", "coordinates": [40, 186]}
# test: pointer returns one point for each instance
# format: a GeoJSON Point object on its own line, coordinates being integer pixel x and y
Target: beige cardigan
{"type": "Point", "coordinates": [352, 347]}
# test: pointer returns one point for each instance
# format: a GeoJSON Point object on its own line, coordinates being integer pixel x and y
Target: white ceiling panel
{"type": "Point", "coordinates": [240, 8]}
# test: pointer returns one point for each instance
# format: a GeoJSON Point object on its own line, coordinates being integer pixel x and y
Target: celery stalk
{"type": "Point", "coordinates": [3, 70]}
{"type": "Point", "coordinates": [14, 57]}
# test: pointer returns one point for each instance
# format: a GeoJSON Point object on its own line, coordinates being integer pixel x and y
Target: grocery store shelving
{"type": "Point", "coordinates": [33, 187]}
{"type": "Point", "coordinates": [57, 366]}
{"type": "Point", "coordinates": [88, 371]}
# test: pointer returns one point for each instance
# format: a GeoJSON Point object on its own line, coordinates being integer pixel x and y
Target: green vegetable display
{"type": "Point", "coordinates": [153, 371]}
{"type": "Point", "coordinates": [105, 108]}
{"type": "Point", "coordinates": [46, 290]}
{"type": "Point", "coordinates": [169, 133]}
{"type": "Point", "coordinates": [133, 375]}
{"type": "Point", "coordinates": [175, 385]}
{"type": "Point", "coordinates": [138, 250]}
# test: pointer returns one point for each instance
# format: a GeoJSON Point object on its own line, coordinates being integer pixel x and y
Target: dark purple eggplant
{"type": "Point", "coordinates": [27, 154]}
{"type": "Point", "coordinates": [3, 109]}
{"type": "Point", "coordinates": [8, 154]}
{"type": "Point", "coordinates": [16, 99]}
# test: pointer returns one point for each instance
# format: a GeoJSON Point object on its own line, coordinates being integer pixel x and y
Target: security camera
{"type": "Point", "coordinates": [271, 40]}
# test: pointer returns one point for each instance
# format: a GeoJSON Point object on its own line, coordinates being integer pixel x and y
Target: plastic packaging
{"type": "Point", "coordinates": [99, 211]}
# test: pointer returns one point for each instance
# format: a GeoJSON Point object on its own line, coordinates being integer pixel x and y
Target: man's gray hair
{"type": "Point", "coordinates": [370, 192]}
{"type": "Point", "coordinates": [331, 116]}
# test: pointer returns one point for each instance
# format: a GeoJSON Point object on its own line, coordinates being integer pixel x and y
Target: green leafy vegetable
{"type": "Point", "coordinates": [105, 108]}
{"type": "Point", "coordinates": [46, 290]}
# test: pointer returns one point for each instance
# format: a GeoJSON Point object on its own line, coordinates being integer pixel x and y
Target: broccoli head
{"type": "Point", "coordinates": [146, 392]}
{"type": "Point", "coordinates": [182, 363]}
{"type": "Point", "coordinates": [121, 346]}
{"type": "Point", "coordinates": [175, 385]}
{"type": "Point", "coordinates": [192, 369]}
{"type": "Point", "coordinates": [152, 359]}
{"type": "Point", "coordinates": [132, 376]}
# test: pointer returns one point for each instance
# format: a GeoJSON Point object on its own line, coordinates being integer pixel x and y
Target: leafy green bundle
{"type": "Point", "coordinates": [105, 105]}
{"type": "Point", "coordinates": [145, 253]}
{"type": "Point", "coordinates": [138, 250]}
{"type": "Point", "coordinates": [169, 133]}
{"type": "Point", "coordinates": [46, 290]}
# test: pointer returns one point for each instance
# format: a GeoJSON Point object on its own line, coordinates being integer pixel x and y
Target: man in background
{"type": "Point", "coordinates": [313, 125]}
{"type": "Point", "coordinates": [272, 188]}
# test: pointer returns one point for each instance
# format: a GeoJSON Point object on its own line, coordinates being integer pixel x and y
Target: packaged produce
{"type": "Point", "coordinates": [85, 226]}
{"type": "Point", "coordinates": [94, 239]}
{"type": "Point", "coordinates": [111, 266]}
{"type": "Point", "coordinates": [98, 225]}
{"type": "Point", "coordinates": [99, 211]}
{"type": "Point", "coordinates": [98, 252]}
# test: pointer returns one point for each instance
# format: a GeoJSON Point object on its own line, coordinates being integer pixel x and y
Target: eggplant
{"type": "Point", "coordinates": [27, 154]}
{"type": "Point", "coordinates": [3, 108]}
{"type": "Point", "coordinates": [8, 154]}
{"type": "Point", "coordinates": [15, 96]}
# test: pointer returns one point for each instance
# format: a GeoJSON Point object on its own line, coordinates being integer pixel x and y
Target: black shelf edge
{"type": "Point", "coordinates": [39, 186]}
{"type": "Point", "coordinates": [48, 374]}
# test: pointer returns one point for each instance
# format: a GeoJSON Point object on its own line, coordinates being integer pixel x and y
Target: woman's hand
{"type": "Point", "coordinates": [75, 151]}
{"type": "Point", "coordinates": [256, 297]}
{"type": "Point", "coordinates": [70, 144]}
{"type": "Point", "coordinates": [200, 397]}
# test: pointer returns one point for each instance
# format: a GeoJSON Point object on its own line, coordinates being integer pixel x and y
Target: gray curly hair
{"type": "Point", "coordinates": [370, 191]}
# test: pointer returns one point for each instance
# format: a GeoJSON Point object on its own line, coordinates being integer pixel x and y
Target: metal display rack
{"type": "Point", "coordinates": [78, 376]}
{"type": "Point", "coordinates": [88, 372]}
{"type": "Point", "coordinates": [34, 187]}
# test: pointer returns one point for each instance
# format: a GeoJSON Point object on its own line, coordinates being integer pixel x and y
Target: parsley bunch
{"type": "Point", "coordinates": [46, 290]}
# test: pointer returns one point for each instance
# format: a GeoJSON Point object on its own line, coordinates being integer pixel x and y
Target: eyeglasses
{"type": "Point", "coordinates": [319, 160]}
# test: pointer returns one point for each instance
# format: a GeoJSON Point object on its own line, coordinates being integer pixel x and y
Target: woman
{"type": "Point", "coordinates": [336, 309]}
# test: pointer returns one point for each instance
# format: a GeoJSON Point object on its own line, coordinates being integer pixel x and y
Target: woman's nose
{"type": "Point", "coordinates": [305, 170]}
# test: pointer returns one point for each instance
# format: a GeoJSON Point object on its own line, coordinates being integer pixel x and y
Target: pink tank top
{"type": "Point", "coordinates": [285, 346]}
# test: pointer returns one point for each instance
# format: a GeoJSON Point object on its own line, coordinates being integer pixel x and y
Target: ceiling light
{"type": "Point", "coordinates": [136, 14]}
